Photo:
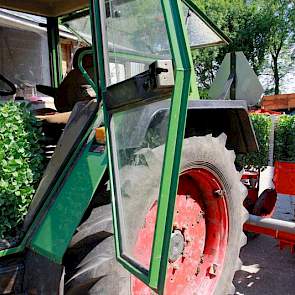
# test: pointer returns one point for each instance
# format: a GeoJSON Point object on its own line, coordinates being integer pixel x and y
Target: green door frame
{"type": "Point", "coordinates": [54, 51]}
{"type": "Point", "coordinates": [183, 66]}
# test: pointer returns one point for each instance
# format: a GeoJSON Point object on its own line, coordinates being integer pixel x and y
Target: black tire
{"type": "Point", "coordinates": [96, 270]}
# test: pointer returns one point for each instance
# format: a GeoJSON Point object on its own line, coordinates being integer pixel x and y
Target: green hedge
{"type": "Point", "coordinates": [21, 165]}
{"type": "Point", "coordinates": [285, 139]}
{"type": "Point", "coordinates": [262, 127]}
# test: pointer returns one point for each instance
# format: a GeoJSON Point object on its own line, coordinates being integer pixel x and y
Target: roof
{"type": "Point", "coordinates": [49, 8]}
{"type": "Point", "coordinates": [24, 21]}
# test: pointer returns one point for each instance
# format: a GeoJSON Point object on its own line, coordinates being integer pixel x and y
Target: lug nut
{"type": "Point", "coordinates": [213, 269]}
{"type": "Point", "coordinates": [218, 193]}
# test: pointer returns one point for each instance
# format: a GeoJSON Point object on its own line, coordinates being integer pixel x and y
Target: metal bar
{"type": "Point", "coordinates": [272, 140]}
{"type": "Point", "coordinates": [233, 74]}
{"type": "Point", "coordinates": [84, 72]}
{"type": "Point", "coordinates": [74, 15]}
{"type": "Point", "coordinates": [279, 229]}
{"type": "Point", "coordinates": [54, 51]}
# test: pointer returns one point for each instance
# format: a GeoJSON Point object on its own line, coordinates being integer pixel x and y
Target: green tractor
{"type": "Point", "coordinates": [157, 205]}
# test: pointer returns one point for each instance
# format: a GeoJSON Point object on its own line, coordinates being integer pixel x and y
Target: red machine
{"type": "Point", "coordinates": [277, 200]}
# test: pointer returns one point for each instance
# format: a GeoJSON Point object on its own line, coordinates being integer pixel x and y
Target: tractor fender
{"type": "Point", "coordinates": [216, 117]}
{"type": "Point", "coordinates": [203, 117]}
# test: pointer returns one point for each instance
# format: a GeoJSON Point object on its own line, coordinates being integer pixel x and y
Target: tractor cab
{"type": "Point", "coordinates": [156, 204]}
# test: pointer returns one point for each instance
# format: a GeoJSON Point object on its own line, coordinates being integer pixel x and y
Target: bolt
{"type": "Point", "coordinates": [200, 216]}
{"type": "Point", "coordinates": [175, 225]}
{"type": "Point", "coordinates": [218, 193]}
{"type": "Point", "coordinates": [184, 227]}
{"type": "Point", "coordinates": [197, 271]}
{"type": "Point", "coordinates": [188, 239]}
{"type": "Point", "coordinates": [213, 269]}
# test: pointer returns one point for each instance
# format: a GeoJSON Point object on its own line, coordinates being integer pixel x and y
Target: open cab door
{"type": "Point", "coordinates": [144, 62]}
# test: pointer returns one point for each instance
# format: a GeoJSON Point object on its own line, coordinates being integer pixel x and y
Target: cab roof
{"type": "Point", "coordinates": [48, 8]}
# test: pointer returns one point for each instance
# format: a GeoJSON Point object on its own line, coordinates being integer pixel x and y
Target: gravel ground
{"type": "Point", "coordinates": [266, 269]}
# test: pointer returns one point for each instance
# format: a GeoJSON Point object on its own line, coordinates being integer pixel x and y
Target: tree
{"type": "Point", "coordinates": [259, 28]}
{"type": "Point", "coordinates": [244, 24]}
{"type": "Point", "coordinates": [279, 16]}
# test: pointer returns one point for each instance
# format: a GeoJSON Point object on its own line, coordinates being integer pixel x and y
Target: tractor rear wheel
{"type": "Point", "coordinates": [206, 239]}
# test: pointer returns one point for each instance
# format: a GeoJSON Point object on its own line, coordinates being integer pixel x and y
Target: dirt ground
{"type": "Point", "coordinates": [266, 269]}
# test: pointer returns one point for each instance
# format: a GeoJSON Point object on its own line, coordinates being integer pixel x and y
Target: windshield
{"type": "Point", "coordinates": [125, 19]}
{"type": "Point", "coordinates": [135, 31]}
{"type": "Point", "coordinates": [199, 33]}
{"type": "Point", "coordinates": [81, 27]}
{"type": "Point", "coordinates": [24, 58]}
{"type": "Point", "coordinates": [137, 27]}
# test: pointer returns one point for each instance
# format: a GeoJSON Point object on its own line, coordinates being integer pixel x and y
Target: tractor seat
{"type": "Point", "coordinates": [72, 89]}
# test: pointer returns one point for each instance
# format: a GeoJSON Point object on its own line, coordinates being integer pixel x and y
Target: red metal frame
{"type": "Point", "coordinates": [284, 178]}
{"type": "Point", "coordinates": [283, 231]}
{"type": "Point", "coordinates": [200, 208]}
{"type": "Point", "coordinates": [264, 205]}
{"type": "Point", "coordinates": [251, 180]}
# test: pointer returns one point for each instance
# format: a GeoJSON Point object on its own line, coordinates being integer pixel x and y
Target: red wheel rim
{"type": "Point", "coordinates": [201, 218]}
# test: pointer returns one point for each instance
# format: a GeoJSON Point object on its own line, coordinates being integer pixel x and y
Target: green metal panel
{"type": "Point", "coordinates": [12, 251]}
{"type": "Point", "coordinates": [54, 234]}
{"type": "Point", "coordinates": [54, 51]}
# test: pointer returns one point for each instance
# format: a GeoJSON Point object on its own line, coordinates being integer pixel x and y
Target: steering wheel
{"type": "Point", "coordinates": [11, 88]}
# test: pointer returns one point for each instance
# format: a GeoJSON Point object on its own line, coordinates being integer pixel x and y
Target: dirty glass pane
{"type": "Point", "coordinates": [24, 59]}
{"type": "Point", "coordinates": [81, 27]}
{"type": "Point", "coordinates": [200, 34]}
{"type": "Point", "coordinates": [139, 137]}
{"type": "Point", "coordinates": [136, 36]}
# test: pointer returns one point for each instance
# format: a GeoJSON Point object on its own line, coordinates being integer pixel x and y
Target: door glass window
{"type": "Point", "coordinates": [137, 37]}
{"type": "Point", "coordinates": [200, 34]}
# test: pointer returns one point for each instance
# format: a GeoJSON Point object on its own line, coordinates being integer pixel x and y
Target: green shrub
{"type": "Point", "coordinates": [21, 161]}
{"type": "Point", "coordinates": [262, 126]}
{"type": "Point", "coordinates": [285, 139]}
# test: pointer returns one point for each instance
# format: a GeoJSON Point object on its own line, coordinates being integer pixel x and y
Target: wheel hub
{"type": "Point", "coordinates": [176, 245]}
{"type": "Point", "coordinates": [199, 237]}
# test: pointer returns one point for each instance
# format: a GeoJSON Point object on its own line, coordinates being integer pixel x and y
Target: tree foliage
{"type": "Point", "coordinates": [279, 17]}
{"type": "Point", "coordinates": [262, 127]}
{"type": "Point", "coordinates": [244, 24]}
{"type": "Point", "coordinates": [259, 28]}
{"type": "Point", "coordinates": [285, 139]}
{"type": "Point", "coordinates": [284, 144]}
{"type": "Point", "coordinates": [21, 166]}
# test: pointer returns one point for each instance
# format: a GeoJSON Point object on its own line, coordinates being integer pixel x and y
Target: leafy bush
{"type": "Point", "coordinates": [285, 139]}
{"type": "Point", "coordinates": [20, 165]}
{"type": "Point", "coordinates": [262, 127]}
